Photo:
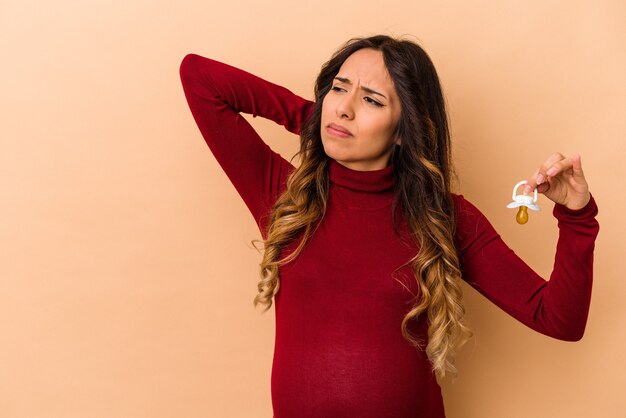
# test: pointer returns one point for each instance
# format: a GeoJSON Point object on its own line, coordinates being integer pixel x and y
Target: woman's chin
{"type": "Point", "coordinates": [337, 154]}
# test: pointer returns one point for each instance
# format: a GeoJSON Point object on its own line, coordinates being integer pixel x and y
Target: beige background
{"type": "Point", "coordinates": [126, 270]}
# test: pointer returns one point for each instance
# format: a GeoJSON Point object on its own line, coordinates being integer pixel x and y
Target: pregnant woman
{"type": "Point", "coordinates": [365, 245]}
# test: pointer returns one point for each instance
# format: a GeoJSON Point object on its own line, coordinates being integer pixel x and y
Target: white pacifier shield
{"type": "Point", "coordinates": [523, 200]}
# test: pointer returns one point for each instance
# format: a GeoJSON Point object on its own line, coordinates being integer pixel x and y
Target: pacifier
{"type": "Point", "coordinates": [523, 202]}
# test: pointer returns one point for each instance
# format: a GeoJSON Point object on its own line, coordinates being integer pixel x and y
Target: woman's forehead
{"type": "Point", "coordinates": [365, 66]}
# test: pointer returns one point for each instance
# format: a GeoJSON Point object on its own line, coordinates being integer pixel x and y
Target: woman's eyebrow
{"type": "Point", "coordinates": [370, 91]}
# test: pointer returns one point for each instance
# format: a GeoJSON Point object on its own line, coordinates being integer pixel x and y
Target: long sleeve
{"type": "Point", "coordinates": [558, 307]}
{"type": "Point", "coordinates": [216, 92]}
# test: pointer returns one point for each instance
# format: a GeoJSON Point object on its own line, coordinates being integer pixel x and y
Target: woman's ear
{"type": "Point", "coordinates": [398, 141]}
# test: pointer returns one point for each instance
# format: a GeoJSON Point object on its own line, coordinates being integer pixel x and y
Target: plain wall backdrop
{"type": "Point", "coordinates": [126, 270]}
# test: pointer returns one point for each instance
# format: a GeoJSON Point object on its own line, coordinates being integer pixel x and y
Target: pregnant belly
{"type": "Point", "coordinates": [343, 378]}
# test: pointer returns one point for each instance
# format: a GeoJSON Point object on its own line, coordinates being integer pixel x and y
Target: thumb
{"type": "Point", "coordinates": [577, 167]}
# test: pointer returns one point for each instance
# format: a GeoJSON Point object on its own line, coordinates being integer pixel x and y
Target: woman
{"type": "Point", "coordinates": [365, 245]}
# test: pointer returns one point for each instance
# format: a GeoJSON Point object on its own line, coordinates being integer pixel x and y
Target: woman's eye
{"type": "Point", "coordinates": [367, 99]}
{"type": "Point", "coordinates": [374, 102]}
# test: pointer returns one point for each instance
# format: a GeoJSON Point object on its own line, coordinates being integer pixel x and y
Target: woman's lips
{"type": "Point", "coordinates": [337, 132]}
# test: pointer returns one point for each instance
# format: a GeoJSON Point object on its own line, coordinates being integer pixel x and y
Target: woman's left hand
{"type": "Point", "coordinates": [561, 180]}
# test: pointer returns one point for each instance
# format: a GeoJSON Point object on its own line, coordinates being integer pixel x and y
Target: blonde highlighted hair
{"type": "Point", "coordinates": [422, 173]}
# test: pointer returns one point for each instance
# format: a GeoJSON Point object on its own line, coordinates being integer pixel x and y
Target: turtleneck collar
{"type": "Point", "coordinates": [362, 181]}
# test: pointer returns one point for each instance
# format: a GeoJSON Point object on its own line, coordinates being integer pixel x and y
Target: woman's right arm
{"type": "Point", "coordinates": [216, 92]}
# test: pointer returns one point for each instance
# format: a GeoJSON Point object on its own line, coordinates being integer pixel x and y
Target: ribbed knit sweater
{"type": "Point", "coordinates": [339, 351]}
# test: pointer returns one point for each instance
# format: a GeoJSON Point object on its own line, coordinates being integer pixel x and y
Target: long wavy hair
{"type": "Point", "coordinates": [422, 171]}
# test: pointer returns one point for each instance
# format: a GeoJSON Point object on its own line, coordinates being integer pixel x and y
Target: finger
{"type": "Point", "coordinates": [531, 183]}
{"type": "Point", "coordinates": [577, 167]}
{"type": "Point", "coordinates": [540, 175]}
{"type": "Point", "coordinates": [543, 187]}
{"type": "Point", "coordinates": [559, 167]}
{"type": "Point", "coordinates": [552, 159]}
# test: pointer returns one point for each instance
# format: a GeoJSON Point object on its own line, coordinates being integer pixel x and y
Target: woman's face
{"type": "Point", "coordinates": [362, 101]}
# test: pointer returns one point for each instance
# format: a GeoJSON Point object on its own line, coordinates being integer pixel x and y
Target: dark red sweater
{"type": "Point", "coordinates": [339, 351]}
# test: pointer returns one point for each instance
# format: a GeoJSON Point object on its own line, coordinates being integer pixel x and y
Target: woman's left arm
{"type": "Point", "coordinates": [558, 307]}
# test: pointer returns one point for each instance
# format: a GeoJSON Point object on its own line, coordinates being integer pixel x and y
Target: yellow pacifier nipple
{"type": "Point", "coordinates": [522, 215]}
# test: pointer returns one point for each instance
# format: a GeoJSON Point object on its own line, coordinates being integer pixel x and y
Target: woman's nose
{"type": "Point", "coordinates": [345, 107]}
